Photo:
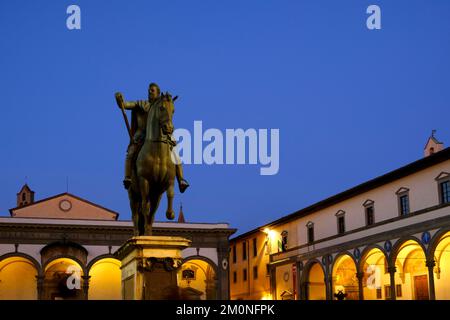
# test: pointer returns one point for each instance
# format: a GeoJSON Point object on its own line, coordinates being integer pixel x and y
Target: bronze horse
{"type": "Point", "coordinates": [154, 172]}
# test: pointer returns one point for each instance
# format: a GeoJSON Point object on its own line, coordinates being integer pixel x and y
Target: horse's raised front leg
{"type": "Point", "coordinates": [170, 214]}
{"type": "Point", "coordinates": [145, 206]}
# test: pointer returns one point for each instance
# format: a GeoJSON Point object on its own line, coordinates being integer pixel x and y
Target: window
{"type": "Point", "coordinates": [369, 216]}
{"type": "Point", "coordinates": [443, 182]}
{"type": "Point", "coordinates": [369, 209]}
{"type": "Point", "coordinates": [23, 196]}
{"type": "Point", "coordinates": [234, 277]}
{"type": "Point", "coordinates": [398, 288]}
{"type": "Point", "coordinates": [310, 227]}
{"type": "Point", "coordinates": [255, 272]}
{"type": "Point", "coordinates": [284, 241]}
{"type": "Point", "coordinates": [340, 215]}
{"type": "Point", "coordinates": [379, 296]}
{"type": "Point", "coordinates": [267, 270]}
{"type": "Point", "coordinates": [404, 205]}
{"type": "Point", "coordinates": [188, 274]}
{"type": "Point", "coordinates": [341, 224]}
{"type": "Point", "coordinates": [245, 274]}
{"type": "Point", "coordinates": [244, 250]}
{"type": "Point", "coordinates": [445, 191]}
{"type": "Point", "coordinates": [403, 201]}
{"type": "Point", "coordinates": [255, 248]}
{"type": "Point", "coordinates": [234, 254]}
{"type": "Point", "coordinates": [387, 292]}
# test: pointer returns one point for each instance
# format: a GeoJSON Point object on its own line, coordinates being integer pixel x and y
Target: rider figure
{"type": "Point", "coordinates": [139, 110]}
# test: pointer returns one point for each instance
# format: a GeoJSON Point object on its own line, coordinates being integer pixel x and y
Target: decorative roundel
{"type": "Point", "coordinates": [330, 259]}
{"type": "Point", "coordinates": [357, 253]}
{"type": "Point", "coordinates": [426, 237]}
{"type": "Point", "coordinates": [388, 246]}
{"type": "Point", "coordinates": [65, 205]}
{"type": "Point", "coordinates": [224, 264]}
{"type": "Point", "coordinates": [286, 276]}
{"type": "Point", "coordinates": [324, 260]}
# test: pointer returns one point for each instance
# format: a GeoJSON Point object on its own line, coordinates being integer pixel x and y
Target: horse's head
{"type": "Point", "coordinates": [166, 111]}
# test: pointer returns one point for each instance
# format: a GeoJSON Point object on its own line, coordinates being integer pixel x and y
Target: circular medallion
{"type": "Point", "coordinates": [357, 253]}
{"type": "Point", "coordinates": [426, 237]}
{"type": "Point", "coordinates": [388, 246]}
{"type": "Point", "coordinates": [224, 264]}
{"type": "Point", "coordinates": [65, 205]}
{"type": "Point", "coordinates": [286, 276]}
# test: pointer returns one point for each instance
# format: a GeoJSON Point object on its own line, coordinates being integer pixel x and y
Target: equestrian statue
{"type": "Point", "coordinates": [152, 163]}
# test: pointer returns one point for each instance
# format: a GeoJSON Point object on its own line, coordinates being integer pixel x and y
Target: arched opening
{"type": "Point", "coordinates": [376, 280]}
{"type": "Point", "coordinates": [315, 283]}
{"type": "Point", "coordinates": [18, 279]}
{"type": "Point", "coordinates": [105, 280]}
{"type": "Point", "coordinates": [411, 276]}
{"type": "Point", "coordinates": [345, 278]}
{"type": "Point", "coordinates": [197, 280]}
{"type": "Point", "coordinates": [63, 280]}
{"type": "Point", "coordinates": [442, 268]}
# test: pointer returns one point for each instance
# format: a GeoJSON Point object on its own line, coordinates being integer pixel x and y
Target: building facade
{"type": "Point", "coordinates": [63, 248]}
{"type": "Point", "coordinates": [388, 238]}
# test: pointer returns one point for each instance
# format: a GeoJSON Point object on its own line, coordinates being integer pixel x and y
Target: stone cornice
{"type": "Point", "coordinates": [25, 233]}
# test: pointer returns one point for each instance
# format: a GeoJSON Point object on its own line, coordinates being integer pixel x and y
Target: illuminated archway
{"type": "Point", "coordinates": [376, 280]}
{"type": "Point", "coordinates": [197, 280]}
{"type": "Point", "coordinates": [105, 280]}
{"type": "Point", "coordinates": [63, 280]}
{"type": "Point", "coordinates": [442, 268]}
{"type": "Point", "coordinates": [345, 277]}
{"type": "Point", "coordinates": [18, 279]}
{"type": "Point", "coordinates": [315, 282]}
{"type": "Point", "coordinates": [411, 276]}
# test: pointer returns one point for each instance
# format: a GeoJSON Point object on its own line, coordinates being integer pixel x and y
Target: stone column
{"type": "Point", "coordinates": [392, 270]}
{"type": "Point", "coordinates": [360, 276]}
{"type": "Point", "coordinates": [85, 286]}
{"type": "Point", "coordinates": [329, 286]}
{"type": "Point", "coordinates": [328, 281]}
{"type": "Point", "coordinates": [273, 282]}
{"type": "Point", "coordinates": [305, 291]}
{"type": "Point", "coordinates": [298, 285]}
{"type": "Point", "coordinates": [40, 287]}
{"type": "Point", "coordinates": [222, 290]}
{"type": "Point", "coordinates": [430, 265]}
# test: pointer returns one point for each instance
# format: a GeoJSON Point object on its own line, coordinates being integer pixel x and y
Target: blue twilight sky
{"type": "Point", "coordinates": [351, 104]}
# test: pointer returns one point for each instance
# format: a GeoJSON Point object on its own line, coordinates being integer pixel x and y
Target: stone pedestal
{"type": "Point", "coordinates": [149, 267]}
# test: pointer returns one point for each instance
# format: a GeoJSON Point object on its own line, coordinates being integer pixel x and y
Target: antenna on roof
{"type": "Point", "coordinates": [433, 132]}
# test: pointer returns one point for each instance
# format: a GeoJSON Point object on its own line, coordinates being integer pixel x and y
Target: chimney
{"type": "Point", "coordinates": [433, 145]}
{"type": "Point", "coordinates": [25, 196]}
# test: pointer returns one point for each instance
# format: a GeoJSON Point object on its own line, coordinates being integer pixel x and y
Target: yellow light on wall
{"type": "Point", "coordinates": [267, 296]}
{"type": "Point", "coordinates": [270, 235]}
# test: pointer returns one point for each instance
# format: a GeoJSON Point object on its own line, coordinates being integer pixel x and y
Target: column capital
{"type": "Point", "coordinates": [430, 263]}
{"type": "Point", "coordinates": [392, 269]}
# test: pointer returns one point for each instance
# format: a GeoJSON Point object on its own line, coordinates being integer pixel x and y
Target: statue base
{"type": "Point", "coordinates": [149, 267]}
